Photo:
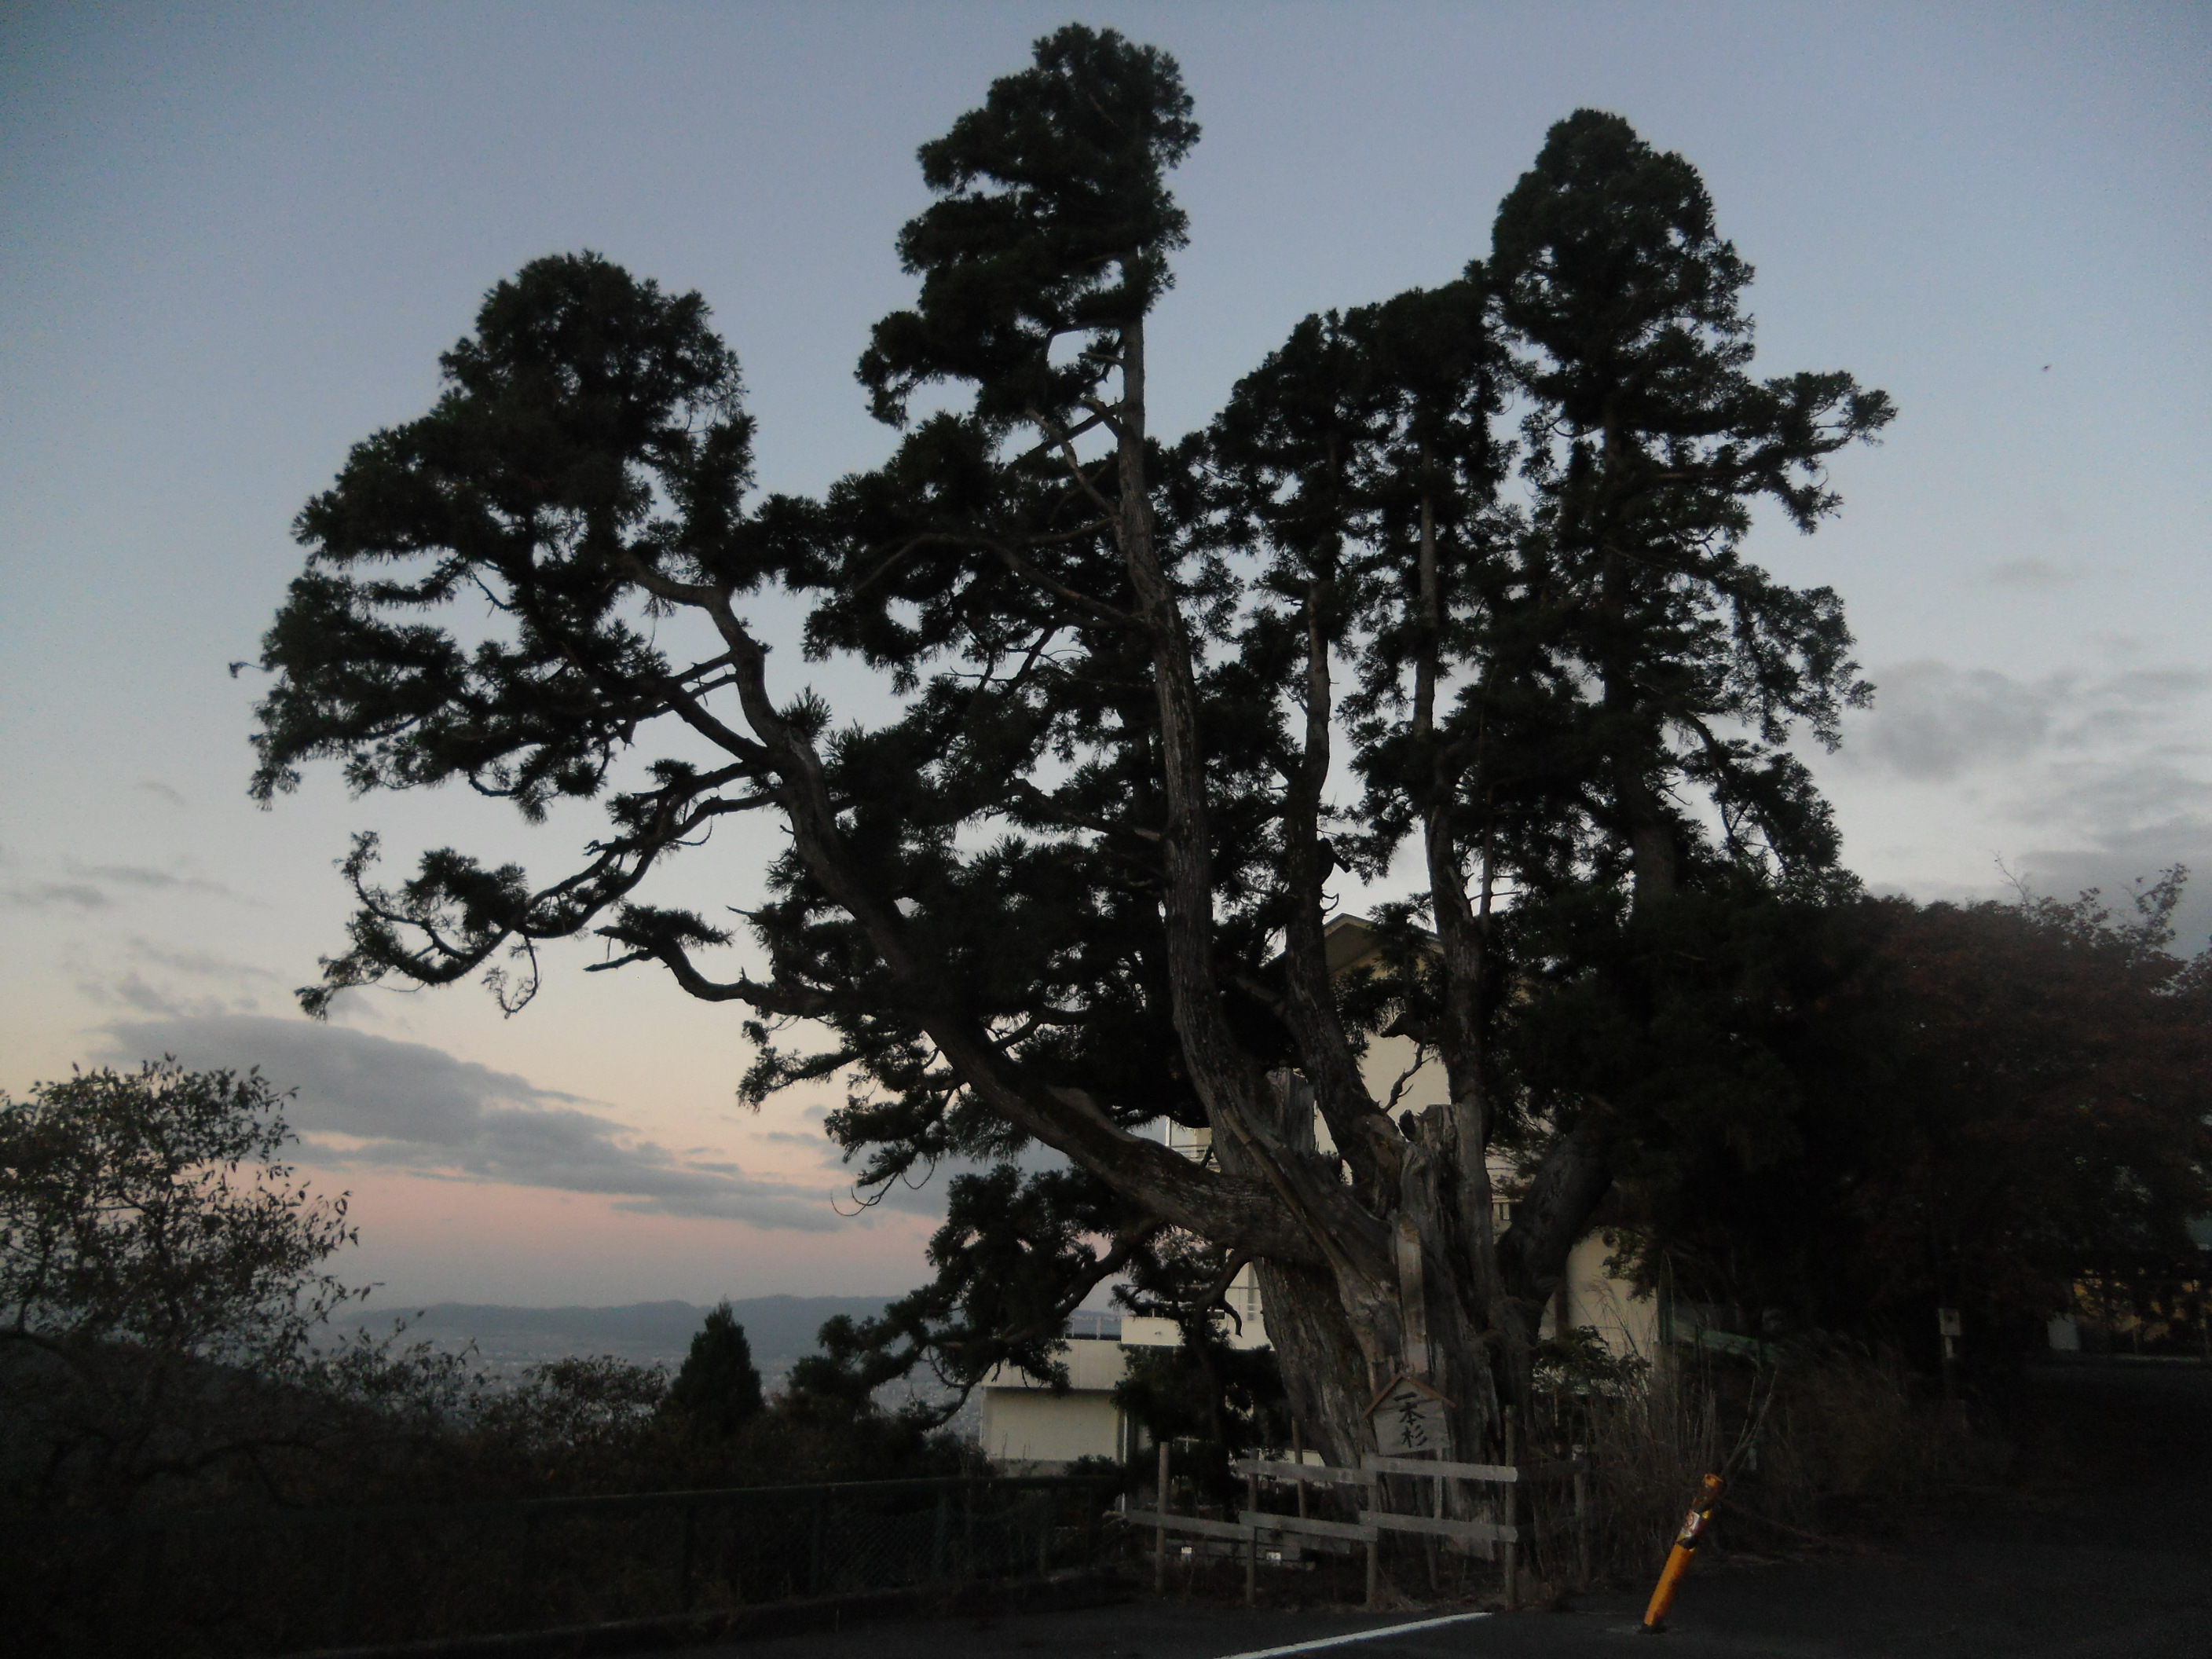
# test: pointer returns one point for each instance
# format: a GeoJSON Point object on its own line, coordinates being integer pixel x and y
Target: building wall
{"type": "Point", "coordinates": [1628, 1324]}
{"type": "Point", "coordinates": [1385, 1062]}
{"type": "Point", "coordinates": [1025, 1424]}
{"type": "Point", "coordinates": [1026, 1427]}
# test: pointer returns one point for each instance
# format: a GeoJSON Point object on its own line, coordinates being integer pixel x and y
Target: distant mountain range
{"type": "Point", "coordinates": [781, 1328]}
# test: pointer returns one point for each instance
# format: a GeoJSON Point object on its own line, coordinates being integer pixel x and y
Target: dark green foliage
{"type": "Point", "coordinates": [1034, 716]}
{"type": "Point", "coordinates": [717, 1389]}
{"type": "Point", "coordinates": [1052, 221]}
{"type": "Point", "coordinates": [1645, 447]}
{"type": "Point", "coordinates": [154, 1208]}
{"type": "Point", "coordinates": [161, 1279]}
{"type": "Point", "coordinates": [1615, 762]}
{"type": "Point", "coordinates": [1228, 1399]}
{"type": "Point", "coordinates": [590, 424]}
{"type": "Point", "coordinates": [570, 1422]}
{"type": "Point", "coordinates": [1014, 1259]}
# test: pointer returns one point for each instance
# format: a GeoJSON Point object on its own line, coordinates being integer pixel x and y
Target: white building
{"type": "Point", "coordinates": [1030, 1430]}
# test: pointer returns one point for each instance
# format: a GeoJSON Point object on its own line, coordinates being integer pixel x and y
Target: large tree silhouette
{"type": "Point", "coordinates": [1078, 885]}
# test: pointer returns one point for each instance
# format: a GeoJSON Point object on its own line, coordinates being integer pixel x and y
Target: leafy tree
{"type": "Point", "coordinates": [2005, 1098]}
{"type": "Point", "coordinates": [1646, 445]}
{"type": "Point", "coordinates": [2056, 1121]}
{"type": "Point", "coordinates": [717, 1387]}
{"type": "Point", "coordinates": [1076, 884]}
{"type": "Point", "coordinates": [585, 1419]}
{"type": "Point", "coordinates": [162, 1282]}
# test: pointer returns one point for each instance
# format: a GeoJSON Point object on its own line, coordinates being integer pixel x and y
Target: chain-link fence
{"type": "Point", "coordinates": [277, 1581]}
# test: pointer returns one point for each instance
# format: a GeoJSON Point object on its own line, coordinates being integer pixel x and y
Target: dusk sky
{"type": "Point", "coordinates": [233, 239]}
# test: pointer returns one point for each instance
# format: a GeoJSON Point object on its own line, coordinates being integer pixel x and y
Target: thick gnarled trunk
{"type": "Point", "coordinates": [1437, 1317]}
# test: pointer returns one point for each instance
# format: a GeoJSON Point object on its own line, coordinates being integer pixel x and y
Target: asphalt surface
{"type": "Point", "coordinates": [2102, 1546]}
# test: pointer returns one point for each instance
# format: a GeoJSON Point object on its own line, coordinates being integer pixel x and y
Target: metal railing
{"type": "Point", "coordinates": [279, 1581]}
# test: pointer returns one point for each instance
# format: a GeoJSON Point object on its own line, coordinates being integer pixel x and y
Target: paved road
{"type": "Point", "coordinates": [2118, 1604]}
{"type": "Point", "coordinates": [2104, 1549]}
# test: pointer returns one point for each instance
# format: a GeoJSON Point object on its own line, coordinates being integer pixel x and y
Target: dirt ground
{"type": "Point", "coordinates": [2102, 1546]}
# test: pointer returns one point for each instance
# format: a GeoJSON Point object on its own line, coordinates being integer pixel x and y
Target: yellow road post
{"type": "Point", "coordinates": [1678, 1558]}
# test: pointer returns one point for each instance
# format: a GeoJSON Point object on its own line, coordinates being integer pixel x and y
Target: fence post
{"type": "Point", "coordinates": [683, 1561]}
{"type": "Point", "coordinates": [1428, 1540]}
{"type": "Point", "coordinates": [936, 1540]}
{"type": "Point", "coordinates": [1160, 1532]}
{"type": "Point", "coordinates": [1512, 1517]}
{"type": "Point", "coordinates": [1582, 1528]}
{"type": "Point", "coordinates": [814, 1553]}
{"type": "Point", "coordinates": [1044, 1532]}
{"type": "Point", "coordinates": [1252, 1544]}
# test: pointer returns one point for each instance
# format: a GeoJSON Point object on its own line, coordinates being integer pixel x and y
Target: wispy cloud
{"type": "Point", "coordinates": [1931, 720]}
{"type": "Point", "coordinates": [100, 886]}
{"type": "Point", "coordinates": [2033, 572]}
{"type": "Point", "coordinates": [132, 991]}
{"type": "Point", "coordinates": [215, 985]}
{"type": "Point", "coordinates": [365, 1099]}
{"type": "Point", "coordinates": [147, 879]}
{"type": "Point", "coordinates": [814, 1143]}
{"type": "Point", "coordinates": [200, 963]}
{"type": "Point", "coordinates": [51, 895]}
{"type": "Point", "coordinates": [2078, 779]}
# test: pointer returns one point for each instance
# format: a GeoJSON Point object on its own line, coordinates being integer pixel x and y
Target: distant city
{"type": "Point", "coordinates": [508, 1341]}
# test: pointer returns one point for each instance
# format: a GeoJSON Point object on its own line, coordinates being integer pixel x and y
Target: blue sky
{"type": "Point", "coordinates": [232, 241]}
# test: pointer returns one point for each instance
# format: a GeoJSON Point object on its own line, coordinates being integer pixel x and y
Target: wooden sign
{"type": "Point", "coordinates": [1411, 1418]}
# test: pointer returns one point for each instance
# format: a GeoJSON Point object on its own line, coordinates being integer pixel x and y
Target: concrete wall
{"type": "Point", "coordinates": [1026, 1427]}
{"type": "Point", "coordinates": [1025, 1424]}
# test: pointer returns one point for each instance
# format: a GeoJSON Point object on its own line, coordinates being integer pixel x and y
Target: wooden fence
{"type": "Point", "coordinates": [1481, 1534]}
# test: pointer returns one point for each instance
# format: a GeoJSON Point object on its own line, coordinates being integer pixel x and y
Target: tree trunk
{"type": "Point", "coordinates": [1324, 1371]}
{"type": "Point", "coordinates": [1408, 1281]}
